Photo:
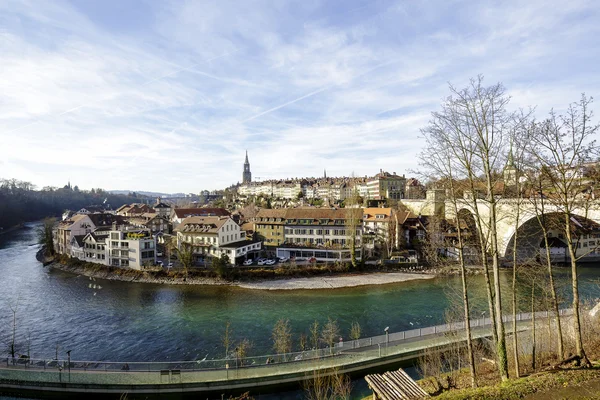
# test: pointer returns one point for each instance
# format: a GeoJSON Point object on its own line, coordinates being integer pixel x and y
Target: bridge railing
{"type": "Point", "coordinates": [273, 362]}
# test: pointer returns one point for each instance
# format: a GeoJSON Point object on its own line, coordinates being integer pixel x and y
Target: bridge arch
{"type": "Point", "coordinates": [530, 236]}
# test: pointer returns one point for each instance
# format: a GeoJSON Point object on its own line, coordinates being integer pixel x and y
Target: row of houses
{"type": "Point", "coordinates": [131, 235]}
{"type": "Point", "coordinates": [329, 233]}
{"type": "Point", "coordinates": [107, 239]}
{"type": "Point", "coordinates": [383, 185]}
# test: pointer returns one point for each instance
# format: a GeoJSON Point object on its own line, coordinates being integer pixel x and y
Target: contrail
{"type": "Point", "coordinates": [143, 84]}
{"type": "Point", "coordinates": [287, 104]}
{"type": "Point", "coordinates": [318, 91]}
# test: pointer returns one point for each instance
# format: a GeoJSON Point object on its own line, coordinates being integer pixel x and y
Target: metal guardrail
{"type": "Point", "coordinates": [264, 360]}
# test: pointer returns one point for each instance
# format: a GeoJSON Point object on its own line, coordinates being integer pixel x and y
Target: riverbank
{"type": "Point", "coordinates": [335, 282]}
{"type": "Point", "coordinates": [330, 281]}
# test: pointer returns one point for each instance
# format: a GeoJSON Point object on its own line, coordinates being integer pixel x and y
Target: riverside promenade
{"type": "Point", "coordinates": [211, 378]}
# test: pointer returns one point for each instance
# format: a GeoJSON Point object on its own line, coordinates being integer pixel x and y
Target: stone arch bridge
{"type": "Point", "coordinates": [506, 212]}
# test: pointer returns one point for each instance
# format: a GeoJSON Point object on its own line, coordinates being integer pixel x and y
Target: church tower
{"type": "Point", "coordinates": [510, 170]}
{"type": "Point", "coordinates": [247, 176]}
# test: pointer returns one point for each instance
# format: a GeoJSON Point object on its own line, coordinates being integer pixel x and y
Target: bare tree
{"type": "Point", "coordinates": [302, 341]}
{"type": "Point", "coordinates": [327, 385]}
{"type": "Point", "coordinates": [513, 189]}
{"type": "Point", "coordinates": [13, 308]}
{"type": "Point", "coordinates": [474, 124]}
{"type": "Point", "coordinates": [330, 333]}
{"type": "Point", "coordinates": [314, 334]}
{"type": "Point", "coordinates": [439, 161]}
{"type": "Point", "coordinates": [355, 331]}
{"type": "Point", "coordinates": [538, 200]}
{"type": "Point", "coordinates": [563, 144]}
{"type": "Point", "coordinates": [241, 351]}
{"type": "Point", "coordinates": [354, 217]}
{"type": "Point", "coordinates": [282, 337]}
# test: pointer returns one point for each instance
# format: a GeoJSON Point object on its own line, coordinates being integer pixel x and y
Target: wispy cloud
{"type": "Point", "coordinates": [168, 95]}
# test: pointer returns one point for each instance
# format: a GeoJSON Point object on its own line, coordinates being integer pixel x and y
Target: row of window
{"type": "Point", "coordinates": [93, 246]}
{"type": "Point", "coordinates": [320, 232]}
{"type": "Point", "coordinates": [95, 256]}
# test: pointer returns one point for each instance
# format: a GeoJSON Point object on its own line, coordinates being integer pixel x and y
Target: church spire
{"type": "Point", "coordinates": [511, 160]}
{"type": "Point", "coordinates": [247, 175]}
{"type": "Point", "coordinates": [324, 173]}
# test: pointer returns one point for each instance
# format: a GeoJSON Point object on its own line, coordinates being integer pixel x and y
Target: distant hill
{"type": "Point", "coordinates": [149, 194]}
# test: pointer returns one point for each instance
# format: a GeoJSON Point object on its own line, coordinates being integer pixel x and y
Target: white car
{"type": "Point", "coordinates": [262, 262]}
{"type": "Point", "coordinates": [283, 259]}
{"type": "Point", "coordinates": [248, 262]}
{"type": "Point", "coordinates": [270, 262]}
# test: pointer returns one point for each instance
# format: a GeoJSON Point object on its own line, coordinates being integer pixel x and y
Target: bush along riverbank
{"type": "Point", "coordinates": [227, 276]}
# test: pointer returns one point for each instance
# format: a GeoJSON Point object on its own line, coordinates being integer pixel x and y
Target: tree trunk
{"type": "Point", "coordinates": [583, 360]}
{"type": "Point", "coordinates": [514, 304]}
{"type": "Point", "coordinates": [533, 326]}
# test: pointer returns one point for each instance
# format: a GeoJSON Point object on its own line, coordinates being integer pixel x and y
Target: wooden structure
{"type": "Point", "coordinates": [394, 385]}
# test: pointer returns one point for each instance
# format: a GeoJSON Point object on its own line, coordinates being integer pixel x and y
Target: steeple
{"type": "Point", "coordinates": [324, 173]}
{"type": "Point", "coordinates": [510, 171]}
{"type": "Point", "coordinates": [511, 159]}
{"type": "Point", "coordinates": [247, 175]}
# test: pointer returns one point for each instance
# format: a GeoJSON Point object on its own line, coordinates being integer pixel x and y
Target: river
{"type": "Point", "coordinates": [124, 321]}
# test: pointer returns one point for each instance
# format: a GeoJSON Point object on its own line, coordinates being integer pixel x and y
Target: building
{"type": "Point", "coordinates": [322, 233]}
{"type": "Point", "coordinates": [269, 226]}
{"type": "Point", "coordinates": [379, 225]}
{"type": "Point", "coordinates": [162, 209]}
{"type": "Point", "coordinates": [77, 225]}
{"type": "Point", "coordinates": [94, 244]}
{"type": "Point", "coordinates": [80, 225]}
{"type": "Point", "coordinates": [130, 247]}
{"type": "Point", "coordinates": [179, 214]}
{"type": "Point", "coordinates": [247, 175]}
{"type": "Point", "coordinates": [152, 221]}
{"type": "Point", "coordinates": [214, 236]}
{"type": "Point", "coordinates": [386, 186]}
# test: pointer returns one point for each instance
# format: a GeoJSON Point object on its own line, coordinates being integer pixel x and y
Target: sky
{"type": "Point", "coordinates": [168, 95]}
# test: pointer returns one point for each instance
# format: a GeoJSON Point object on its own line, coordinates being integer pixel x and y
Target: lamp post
{"type": "Point", "coordinates": [387, 338]}
{"type": "Point", "coordinates": [69, 361]}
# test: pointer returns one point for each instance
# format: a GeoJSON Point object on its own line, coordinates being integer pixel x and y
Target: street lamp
{"type": "Point", "coordinates": [69, 361]}
{"type": "Point", "coordinates": [387, 334]}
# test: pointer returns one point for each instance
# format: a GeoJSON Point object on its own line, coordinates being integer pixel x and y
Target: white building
{"type": "Point", "coordinates": [214, 236]}
{"type": "Point", "coordinates": [132, 248]}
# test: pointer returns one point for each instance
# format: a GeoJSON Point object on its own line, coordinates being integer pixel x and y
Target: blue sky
{"type": "Point", "coordinates": [168, 95]}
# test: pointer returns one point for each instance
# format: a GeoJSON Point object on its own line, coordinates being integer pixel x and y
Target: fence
{"type": "Point", "coordinates": [235, 363]}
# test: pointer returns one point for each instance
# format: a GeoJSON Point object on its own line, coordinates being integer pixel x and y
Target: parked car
{"type": "Point", "coordinates": [170, 265]}
{"type": "Point", "coordinates": [159, 254]}
{"type": "Point", "coordinates": [248, 262]}
{"type": "Point", "coordinates": [283, 259]}
{"type": "Point", "coordinates": [270, 262]}
{"type": "Point", "coordinates": [261, 261]}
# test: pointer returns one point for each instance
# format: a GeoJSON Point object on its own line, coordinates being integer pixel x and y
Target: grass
{"type": "Point", "coordinates": [538, 383]}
